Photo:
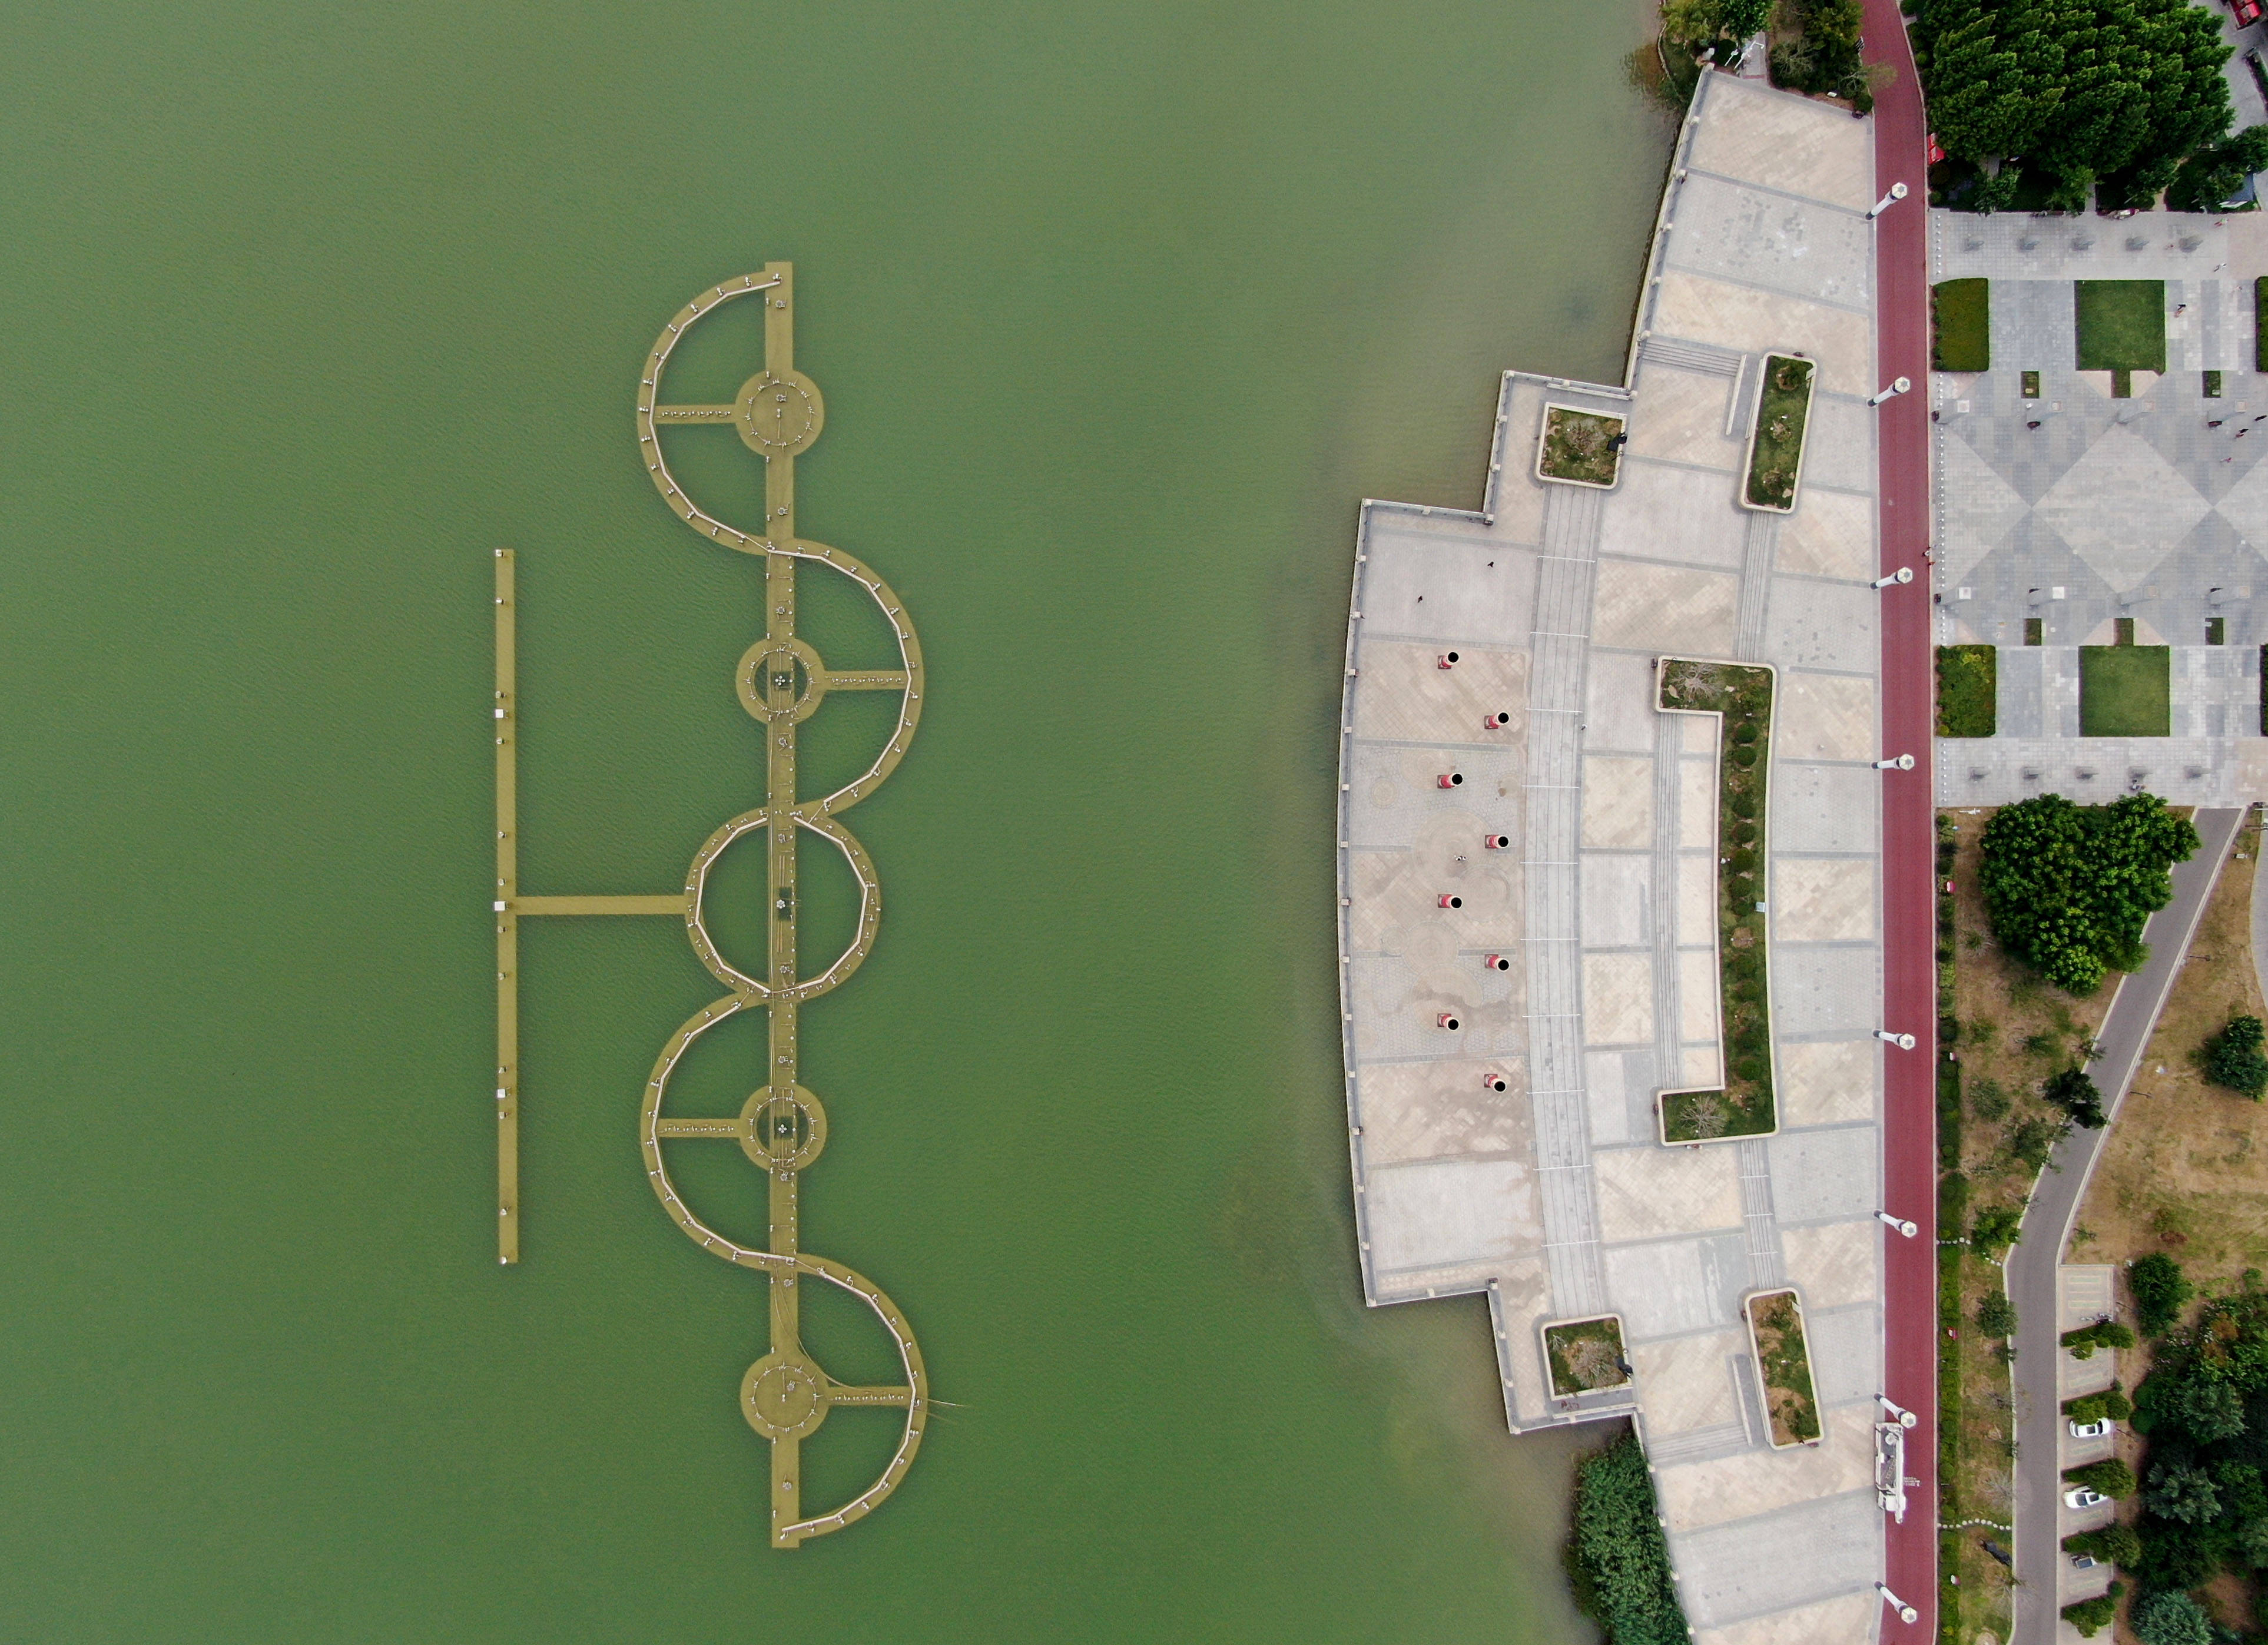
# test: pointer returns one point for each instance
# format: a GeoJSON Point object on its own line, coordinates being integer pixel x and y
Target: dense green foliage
{"type": "Point", "coordinates": [2069, 888]}
{"type": "Point", "coordinates": [1967, 676]}
{"type": "Point", "coordinates": [2105, 1333]}
{"type": "Point", "coordinates": [2112, 1477]}
{"type": "Point", "coordinates": [2172, 1619]}
{"type": "Point", "coordinates": [2117, 90]}
{"type": "Point", "coordinates": [2233, 1058]}
{"type": "Point", "coordinates": [1719, 27]}
{"type": "Point", "coordinates": [2205, 1412]}
{"type": "Point", "coordinates": [2090, 1617]}
{"type": "Point", "coordinates": [2093, 1407]}
{"type": "Point", "coordinates": [2159, 1290]}
{"type": "Point", "coordinates": [1996, 1315]}
{"type": "Point", "coordinates": [1616, 1554]}
{"type": "Point", "coordinates": [2114, 1543]}
{"type": "Point", "coordinates": [2216, 171]}
{"type": "Point", "coordinates": [1996, 1230]}
{"type": "Point", "coordinates": [2071, 1090]}
{"type": "Point", "coordinates": [1822, 54]}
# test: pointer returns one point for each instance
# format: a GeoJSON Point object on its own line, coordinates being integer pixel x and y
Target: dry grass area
{"type": "Point", "coordinates": [2015, 1030]}
{"type": "Point", "coordinates": [2185, 1170]}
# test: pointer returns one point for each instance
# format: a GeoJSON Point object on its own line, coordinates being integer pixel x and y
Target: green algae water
{"type": "Point", "coordinates": [1118, 309]}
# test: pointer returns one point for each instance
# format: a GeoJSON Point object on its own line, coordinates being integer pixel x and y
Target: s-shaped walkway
{"type": "Point", "coordinates": [782, 1128]}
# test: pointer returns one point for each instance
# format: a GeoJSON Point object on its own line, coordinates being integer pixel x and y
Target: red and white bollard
{"type": "Point", "coordinates": [1450, 900]}
{"type": "Point", "coordinates": [1494, 1082]}
{"type": "Point", "coordinates": [1496, 722]}
{"type": "Point", "coordinates": [1446, 659]}
{"type": "Point", "coordinates": [1445, 1021]}
{"type": "Point", "coordinates": [1450, 779]}
{"type": "Point", "coordinates": [1497, 963]}
{"type": "Point", "coordinates": [1496, 842]}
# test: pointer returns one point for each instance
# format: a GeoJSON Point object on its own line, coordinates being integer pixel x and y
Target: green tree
{"type": "Point", "coordinates": [2181, 1491]}
{"type": "Point", "coordinates": [2069, 888]}
{"type": "Point", "coordinates": [2233, 1058]}
{"type": "Point", "coordinates": [1996, 1315]}
{"type": "Point", "coordinates": [2090, 1617]}
{"type": "Point", "coordinates": [1996, 1229]}
{"type": "Point", "coordinates": [1997, 192]}
{"type": "Point", "coordinates": [2159, 1290]}
{"type": "Point", "coordinates": [2172, 1619]}
{"type": "Point", "coordinates": [2094, 85]}
{"type": "Point", "coordinates": [2075, 1094]}
{"type": "Point", "coordinates": [2114, 1544]}
{"type": "Point", "coordinates": [2214, 173]}
{"type": "Point", "coordinates": [2112, 1477]}
{"type": "Point", "coordinates": [1617, 1553]}
{"type": "Point", "coordinates": [2210, 1411]}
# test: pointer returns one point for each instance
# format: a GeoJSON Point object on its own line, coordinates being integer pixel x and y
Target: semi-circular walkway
{"type": "Point", "coordinates": [782, 681]}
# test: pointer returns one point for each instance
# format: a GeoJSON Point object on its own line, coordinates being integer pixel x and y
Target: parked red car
{"type": "Point", "coordinates": [2247, 11]}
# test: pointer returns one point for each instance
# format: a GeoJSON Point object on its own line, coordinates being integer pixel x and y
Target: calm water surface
{"type": "Point", "coordinates": [1119, 309]}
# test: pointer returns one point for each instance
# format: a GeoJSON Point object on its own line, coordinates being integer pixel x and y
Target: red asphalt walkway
{"type": "Point", "coordinates": [1909, 945]}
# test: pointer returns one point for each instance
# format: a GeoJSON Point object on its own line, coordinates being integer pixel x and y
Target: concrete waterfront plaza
{"type": "Point", "coordinates": [2074, 509]}
{"type": "Point", "coordinates": [1555, 1197]}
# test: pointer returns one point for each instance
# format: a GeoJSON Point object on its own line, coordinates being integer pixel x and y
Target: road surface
{"type": "Point", "coordinates": [2047, 1224]}
{"type": "Point", "coordinates": [1909, 824]}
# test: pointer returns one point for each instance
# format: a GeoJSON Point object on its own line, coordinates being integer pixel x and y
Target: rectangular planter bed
{"type": "Point", "coordinates": [1775, 1320]}
{"type": "Point", "coordinates": [1579, 448]}
{"type": "Point", "coordinates": [1775, 463]}
{"type": "Point", "coordinates": [1585, 1356]}
{"type": "Point", "coordinates": [1739, 696]}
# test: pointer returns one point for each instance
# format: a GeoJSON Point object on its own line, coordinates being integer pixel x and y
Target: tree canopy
{"type": "Point", "coordinates": [1618, 1557]}
{"type": "Point", "coordinates": [2233, 1058]}
{"type": "Point", "coordinates": [2072, 86]}
{"type": "Point", "coordinates": [2203, 1411]}
{"type": "Point", "coordinates": [2069, 888]}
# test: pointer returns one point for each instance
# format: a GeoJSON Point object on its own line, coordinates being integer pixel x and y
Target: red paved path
{"type": "Point", "coordinates": [1908, 948]}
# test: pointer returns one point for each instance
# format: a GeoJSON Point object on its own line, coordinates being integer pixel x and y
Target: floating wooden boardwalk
{"type": "Point", "coordinates": [781, 681]}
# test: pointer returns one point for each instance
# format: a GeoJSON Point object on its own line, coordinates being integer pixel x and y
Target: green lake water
{"type": "Point", "coordinates": [1119, 309]}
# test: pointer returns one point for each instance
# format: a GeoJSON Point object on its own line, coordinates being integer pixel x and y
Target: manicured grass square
{"type": "Point", "coordinates": [1964, 312]}
{"type": "Point", "coordinates": [2122, 325]}
{"type": "Point", "coordinates": [2125, 691]}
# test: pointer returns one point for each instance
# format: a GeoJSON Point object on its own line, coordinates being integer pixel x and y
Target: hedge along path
{"type": "Point", "coordinates": [1739, 696]}
{"type": "Point", "coordinates": [781, 681]}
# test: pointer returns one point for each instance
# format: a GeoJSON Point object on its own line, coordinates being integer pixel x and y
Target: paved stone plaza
{"type": "Point", "coordinates": [1556, 1197]}
{"type": "Point", "coordinates": [2111, 508]}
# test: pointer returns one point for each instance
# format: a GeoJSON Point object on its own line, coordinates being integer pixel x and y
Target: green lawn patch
{"type": "Point", "coordinates": [1968, 682]}
{"type": "Point", "coordinates": [2031, 385]}
{"type": "Point", "coordinates": [1962, 310]}
{"type": "Point", "coordinates": [1742, 1107]}
{"type": "Point", "coordinates": [2122, 325]}
{"type": "Point", "coordinates": [1579, 448]}
{"type": "Point", "coordinates": [1776, 444]}
{"type": "Point", "coordinates": [2213, 385]}
{"type": "Point", "coordinates": [2125, 691]}
{"type": "Point", "coordinates": [1776, 1329]}
{"type": "Point", "coordinates": [1586, 1355]}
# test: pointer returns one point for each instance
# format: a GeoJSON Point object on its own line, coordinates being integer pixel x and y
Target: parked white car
{"type": "Point", "coordinates": [2083, 1497]}
{"type": "Point", "coordinates": [2096, 1429]}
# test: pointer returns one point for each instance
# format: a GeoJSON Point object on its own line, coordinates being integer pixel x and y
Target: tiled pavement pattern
{"type": "Point", "coordinates": [2110, 508]}
{"type": "Point", "coordinates": [1555, 1198]}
